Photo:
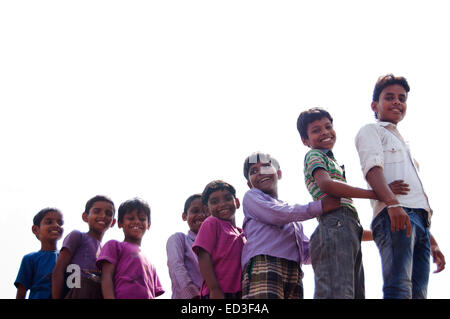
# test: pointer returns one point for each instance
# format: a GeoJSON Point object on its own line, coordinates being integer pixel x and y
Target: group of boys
{"type": "Point", "coordinates": [271, 247]}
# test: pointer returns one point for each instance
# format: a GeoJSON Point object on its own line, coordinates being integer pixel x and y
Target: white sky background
{"type": "Point", "coordinates": [157, 98]}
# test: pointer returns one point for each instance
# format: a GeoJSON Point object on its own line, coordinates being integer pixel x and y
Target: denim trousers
{"type": "Point", "coordinates": [335, 248]}
{"type": "Point", "coordinates": [405, 260]}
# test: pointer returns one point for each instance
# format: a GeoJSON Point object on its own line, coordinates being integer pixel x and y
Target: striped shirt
{"type": "Point", "coordinates": [324, 159]}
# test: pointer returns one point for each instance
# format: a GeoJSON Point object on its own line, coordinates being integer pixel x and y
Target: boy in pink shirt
{"type": "Point", "coordinates": [126, 272]}
{"type": "Point", "coordinates": [219, 243]}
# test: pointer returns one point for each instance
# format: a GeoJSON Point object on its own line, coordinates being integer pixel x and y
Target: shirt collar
{"type": "Point", "coordinates": [327, 152]}
{"type": "Point", "coordinates": [384, 124]}
{"type": "Point", "coordinates": [191, 235]}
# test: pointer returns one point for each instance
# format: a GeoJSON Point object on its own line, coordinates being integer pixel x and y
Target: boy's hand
{"type": "Point", "coordinates": [216, 293]}
{"type": "Point", "coordinates": [399, 220]}
{"type": "Point", "coordinates": [330, 203]}
{"type": "Point", "coordinates": [399, 187]}
{"type": "Point", "coordinates": [438, 258]}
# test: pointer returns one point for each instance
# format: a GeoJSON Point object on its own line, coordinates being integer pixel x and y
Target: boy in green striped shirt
{"type": "Point", "coordinates": [335, 245]}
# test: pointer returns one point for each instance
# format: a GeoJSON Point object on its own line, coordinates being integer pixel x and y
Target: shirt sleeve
{"type": "Point", "coordinates": [178, 273]}
{"type": "Point", "coordinates": [313, 160]}
{"type": "Point", "coordinates": [369, 147]}
{"type": "Point", "coordinates": [109, 252]}
{"type": "Point", "coordinates": [206, 236]}
{"type": "Point", "coordinates": [277, 212]}
{"type": "Point", "coordinates": [72, 241]}
{"type": "Point", "coordinates": [25, 275]}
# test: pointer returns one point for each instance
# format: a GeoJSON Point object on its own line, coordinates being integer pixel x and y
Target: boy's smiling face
{"type": "Point", "coordinates": [321, 134]}
{"type": "Point", "coordinates": [264, 176]}
{"type": "Point", "coordinates": [100, 217]}
{"type": "Point", "coordinates": [134, 224]}
{"type": "Point", "coordinates": [51, 227]}
{"type": "Point", "coordinates": [391, 106]}
{"type": "Point", "coordinates": [222, 204]}
{"type": "Point", "coordinates": [195, 215]}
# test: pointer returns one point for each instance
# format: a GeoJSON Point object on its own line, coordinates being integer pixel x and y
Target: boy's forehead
{"type": "Point", "coordinates": [393, 89]}
{"type": "Point", "coordinates": [219, 192]}
{"type": "Point", "coordinates": [53, 214]}
{"type": "Point", "coordinates": [321, 121]}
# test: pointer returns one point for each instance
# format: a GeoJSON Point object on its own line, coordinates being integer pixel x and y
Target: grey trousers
{"type": "Point", "coordinates": [335, 249]}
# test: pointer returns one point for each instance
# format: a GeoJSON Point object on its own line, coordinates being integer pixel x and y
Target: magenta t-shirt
{"type": "Point", "coordinates": [224, 243]}
{"type": "Point", "coordinates": [135, 277]}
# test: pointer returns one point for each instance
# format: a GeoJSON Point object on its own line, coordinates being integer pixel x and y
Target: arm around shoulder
{"type": "Point", "coordinates": [58, 273]}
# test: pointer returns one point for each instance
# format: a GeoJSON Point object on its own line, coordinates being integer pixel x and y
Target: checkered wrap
{"type": "Point", "coordinates": [267, 277]}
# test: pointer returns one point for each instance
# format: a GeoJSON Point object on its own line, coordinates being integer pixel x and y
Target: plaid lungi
{"type": "Point", "coordinates": [267, 277]}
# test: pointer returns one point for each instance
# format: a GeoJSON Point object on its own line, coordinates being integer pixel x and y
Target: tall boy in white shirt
{"type": "Point", "coordinates": [400, 223]}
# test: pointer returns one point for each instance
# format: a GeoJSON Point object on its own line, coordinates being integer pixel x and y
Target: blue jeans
{"type": "Point", "coordinates": [335, 249]}
{"type": "Point", "coordinates": [405, 260]}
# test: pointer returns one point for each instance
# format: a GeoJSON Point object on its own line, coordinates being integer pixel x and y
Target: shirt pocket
{"type": "Point", "coordinates": [393, 154]}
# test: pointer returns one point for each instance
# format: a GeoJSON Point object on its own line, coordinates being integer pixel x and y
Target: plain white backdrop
{"type": "Point", "coordinates": [157, 98]}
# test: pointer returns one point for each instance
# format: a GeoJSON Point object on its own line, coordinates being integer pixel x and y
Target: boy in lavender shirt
{"type": "Point", "coordinates": [126, 272]}
{"type": "Point", "coordinates": [80, 250]}
{"type": "Point", "coordinates": [181, 260]}
{"type": "Point", "coordinates": [276, 246]}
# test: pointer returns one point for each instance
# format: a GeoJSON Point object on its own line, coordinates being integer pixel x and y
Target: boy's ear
{"type": "Point", "coordinates": [35, 230]}
{"type": "Point", "coordinates": [374, 106]}
{"type": "Point", "coordinates": [119, 224]}
{"type": "Point", "coordinates": [279, 174]}
{"type": "Point", "coordinates": [238, 204]}
{"type": "Point", "coordinates": [113, 223]}
{"type": "Point", "coordinates": [84, 216]}
{"type": "Point", "coordinates": [249, 185]}
{"type": "Point", "coordinates": [184, 216]}
{"type": "Point", "coordinates": [207, 211]}
{"type": "Point", "coordinates": [305, 141]}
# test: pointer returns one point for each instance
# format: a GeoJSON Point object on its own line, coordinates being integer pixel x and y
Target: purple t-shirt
{"type": "Point", "coordinates": [224, 243]}
{"type": "Point", "coordinates": [135, 277]}
{"type": "Point", "coordinates": [84, 250]}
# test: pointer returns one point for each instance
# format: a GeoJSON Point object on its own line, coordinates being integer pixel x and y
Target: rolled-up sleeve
{"type": "Point", "coordinates": [369, 147]}
{"type": "Point", "coordinates": [277, 212]}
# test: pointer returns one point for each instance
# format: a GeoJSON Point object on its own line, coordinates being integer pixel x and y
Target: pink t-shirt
{"type": "Point", "coordinates": [135, 277]}
{"type": "Point", "coordinates": [224, 243]}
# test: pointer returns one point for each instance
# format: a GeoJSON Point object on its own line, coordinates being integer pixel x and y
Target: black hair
{"type": "Point", "coordinates": [131, 205]}
{"type": "Point", "coordinates": [307, 117]}
{"type": "Point", "coordinates": [37, 219]}
{"type": "Point", "coordinates": [98, 198]}
{"type": "Point", "coordinates": [385, 81]}
{"type": "Point", "coordinates": [189, 201]}
{"type": "Point", "coordinates": [215, 186]}
{"type": "Point", "coordinates": [259, 157]}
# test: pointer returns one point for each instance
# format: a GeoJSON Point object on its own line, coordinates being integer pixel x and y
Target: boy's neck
{"type": "Point", "coordinates": [48, 246]}
{"type": "Point", "coordinates": [95, 235]}
{"type": "Point", "coordinates": [133, 241]}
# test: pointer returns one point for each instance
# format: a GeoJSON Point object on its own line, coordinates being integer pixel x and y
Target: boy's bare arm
{"type": "Point", "coordinates": [58, 273]}
{"type": "Point", "coordinates": [340, 189]}
{"type": "Point", "coordinates": [207, 271]}
{"type": "Point", "coordinates": [108, 270]}
{"type": "Point", "coordinates": [399, 218]}
{"type": "Point", "coordinates": [21, 291]}
{"type": "Point", "coordinates": [438, 256]}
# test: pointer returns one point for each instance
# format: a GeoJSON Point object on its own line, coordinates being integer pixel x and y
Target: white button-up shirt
{"type": "Point", "coordinates": [380, 144]}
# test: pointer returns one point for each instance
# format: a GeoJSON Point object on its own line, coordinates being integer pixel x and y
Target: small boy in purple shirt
{"type": "Point", "coordinates": [181, 260]}
{"type": "Point", "coordinates": [276, 246]}
{"type": "Point", "coordinates": [126, 272]}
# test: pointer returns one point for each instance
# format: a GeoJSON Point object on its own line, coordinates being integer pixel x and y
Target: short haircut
{"type": "Point", "coordinates": [386, 80]}
{"type": "Point", "coordinates": [189, 201]}
{"type": "Point", "coordinates": [307, 117]}
{"type": "Point", "coordinates": [133, 204]}
{"type": "Point", "coordinates": [258, 157]}
{"type": "Point", "coordinates": [214, 186]}
{"type": "Point", "coordinates": [37, 219]}
{"type": "Point", "coordinates": [98, 198]}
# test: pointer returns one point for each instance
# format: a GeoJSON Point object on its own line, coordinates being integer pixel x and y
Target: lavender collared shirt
{"type": "Point", "coordinates": [183, 266]}
{"type": "Point", "coordinates": [272, 227]}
